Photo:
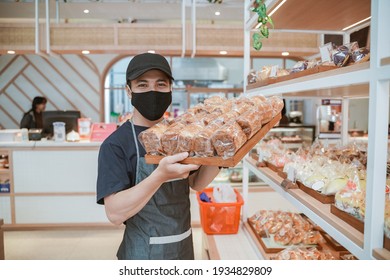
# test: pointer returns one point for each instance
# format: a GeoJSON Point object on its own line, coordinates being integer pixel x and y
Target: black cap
{"type": "Point", "coordinates": [147, 61]}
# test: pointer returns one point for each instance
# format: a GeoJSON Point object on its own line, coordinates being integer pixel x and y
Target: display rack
{"type": "Point", "coordinates": [370, 80]}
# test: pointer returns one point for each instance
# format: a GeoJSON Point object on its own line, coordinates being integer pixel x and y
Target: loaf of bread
{"type": "Point", "coordinates": [151, 138]}
{"type": "Point", "coordinates": [180, 138]}
{"type": "Point", "coordinates": [242, 107]}
{"type": "Point", "coordinates": [250, 122]}
{"type": "Point", "coordinates": [216, 99]}
{"type": "Point", "coordinates": [228, 139]}
{"type": "Point", "coordinates": [266, 111]}
{"type": "Point", "coordinates": [202, 146]}
{"type": "Point", "coordinates": [277, 105]}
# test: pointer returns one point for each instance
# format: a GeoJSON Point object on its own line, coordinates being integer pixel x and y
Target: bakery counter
{"type": "Point", "coordinates": [51, 184]}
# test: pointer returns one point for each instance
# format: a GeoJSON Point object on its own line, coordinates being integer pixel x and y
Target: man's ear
{"type": "Point", "coordinates": [128, 91]}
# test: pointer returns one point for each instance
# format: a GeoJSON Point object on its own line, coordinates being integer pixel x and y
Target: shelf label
{"type": "Point", "coordinates": [274, 70]}
{"type": "Point", "coordinates": [291, 174]}
{"type": "Point", "coordinates": [325, 52]}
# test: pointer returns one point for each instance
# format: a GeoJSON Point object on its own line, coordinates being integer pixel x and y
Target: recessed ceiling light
{"type": "Point", "coordinates": [285, 53]}
{"type": "Point", "coordinates": [85, 52]}
{"type": "Point", "coordinates": [86, 11]}
{"type": "Point", "coordinates": [151, 51]}
{"type": "Point", "coordinates": [217, 13]}
{"type": "Point", "coordinates": [11, 52]}
{"type": "Point", "coordinates": [223, 52]}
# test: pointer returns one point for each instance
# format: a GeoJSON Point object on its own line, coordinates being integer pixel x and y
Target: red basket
{"type": "Point", "coordinates": [220, 218]}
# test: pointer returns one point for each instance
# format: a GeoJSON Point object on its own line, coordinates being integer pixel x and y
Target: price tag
{"type": "Point", "coordinates": [274, 70]}
{"type": "Point", "coordinates": [291, 174]}
{"type": "Point", "coordinates": [261, 155]}
{"type": "Point", "coordinates": [317, 186]}
{"type": "Point", "coordinates": [325, 52]}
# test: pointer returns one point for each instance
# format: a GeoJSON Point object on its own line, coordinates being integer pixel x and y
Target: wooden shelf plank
{"type": "Point", "coordinates": [351, 81]}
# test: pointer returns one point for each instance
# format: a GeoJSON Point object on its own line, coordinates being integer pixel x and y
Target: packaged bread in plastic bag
{"type": "Point", "coordinates": [151, 138]}
{"type": "Point", "coordinates": [228, 139]}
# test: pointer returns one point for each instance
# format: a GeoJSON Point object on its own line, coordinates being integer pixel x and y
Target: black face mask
{"type": "Point", "coordinates": [151, 104]}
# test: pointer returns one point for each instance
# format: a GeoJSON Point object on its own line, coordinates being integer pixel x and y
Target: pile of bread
{"type": "Point", "coordinates": [285, 228]}
{"type": "Point", "coordinates": [217, 127]}
{"type": "Point", "coordinates": [303, 253]}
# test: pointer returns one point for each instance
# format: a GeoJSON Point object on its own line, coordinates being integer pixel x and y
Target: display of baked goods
{"type": "Point", "coordinates": [274, 152]}
{"type": "Point", "coordinates": [303, 253]}
{"type": "Point", "coordinates": [284, 228]}
{"type": "Point", "coordinates": [217, 128]}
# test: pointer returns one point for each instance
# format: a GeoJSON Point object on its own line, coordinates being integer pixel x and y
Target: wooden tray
{"type": "Point", "coordinates": [386, 243]}
{"type": "Point", "coordinates": [325, 199]}
{"type": "Point", "coordinates": [268, 250]}
{"type": "Point", "coordinates": [273, 167]}
{"type": "Point", "coordinates": [333, 243]}
{"type": "Point", "coordinates": [267, 247]}
{"type": "Point", "coordinates": [348, 218]}
{"type": "Point", "coordinates": [311, 71]}
{"type": "Point", "coordinates": [219, 161]}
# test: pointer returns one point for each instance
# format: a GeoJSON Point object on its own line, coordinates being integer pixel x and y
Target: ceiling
{"type": "Point", "coordinates": [124, 10]}
{"type": "Point", "coordinates": [294, 14]}
{"type": "Point", "coordinates": [304, 15]}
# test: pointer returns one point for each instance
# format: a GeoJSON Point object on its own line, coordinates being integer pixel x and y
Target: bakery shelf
{"type": "Point", "coordinates": [318, 212]}
{"type": "Point", "coordinates": [385, 61]}
{"type": "Point", "coordinates": [381, 254]}
{"type": "Point", "coordinates": [351, 81]}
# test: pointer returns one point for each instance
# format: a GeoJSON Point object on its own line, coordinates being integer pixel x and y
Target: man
{"type": "Point", "coordinates": [152, 201]}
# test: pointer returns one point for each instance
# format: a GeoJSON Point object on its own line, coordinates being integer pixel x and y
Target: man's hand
{"type": "Point", "coordinates": [169, 167]}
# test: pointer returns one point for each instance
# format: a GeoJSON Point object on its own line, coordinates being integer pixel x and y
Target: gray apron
{"type": "Point", "coordinates": [162, 229]}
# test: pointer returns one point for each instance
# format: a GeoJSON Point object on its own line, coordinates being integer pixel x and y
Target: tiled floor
{"type": "Point", "coordinates": [89, 244]}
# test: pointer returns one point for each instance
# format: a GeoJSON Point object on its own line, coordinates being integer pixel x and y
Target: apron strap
{"type": "Point", "coordinates": [170, 238]}
{"type": "Point", "coordinates": [136, 146]}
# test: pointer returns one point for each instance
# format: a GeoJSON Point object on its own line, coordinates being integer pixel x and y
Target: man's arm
{"type": "Point", "coordinates": [123, 205]}
{"type": "Point", "coordinates": [203, 177]}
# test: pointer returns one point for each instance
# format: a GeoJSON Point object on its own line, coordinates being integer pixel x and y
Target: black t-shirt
{"type": "Point", "coordinates": [117, 161]}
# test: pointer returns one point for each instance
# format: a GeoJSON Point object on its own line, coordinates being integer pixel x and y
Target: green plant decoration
{"type": "Point", "coordinates": [260, 8]}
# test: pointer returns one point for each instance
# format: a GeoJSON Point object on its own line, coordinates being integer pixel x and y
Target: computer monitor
{"type": "Point", "coordinates": [70, 118]}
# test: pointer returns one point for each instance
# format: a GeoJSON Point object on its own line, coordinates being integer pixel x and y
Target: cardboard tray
{"type": "Point", "coordinates": [348, 218]}
{"type": "Point", "coordinates": [325, 199]}
{"type": "Point", "coordinates": [311, 71]}
{"type": "Point", "coordinates": [219, 161]}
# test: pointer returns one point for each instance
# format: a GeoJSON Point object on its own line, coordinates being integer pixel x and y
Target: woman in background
{"type": "Point", "coordinates": [33, 118]}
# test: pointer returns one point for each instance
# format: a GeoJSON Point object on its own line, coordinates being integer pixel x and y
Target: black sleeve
{"type": "Point", "coordinates": [26, 121]}
{"type": "Point", "coordinates": [113, 174]}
